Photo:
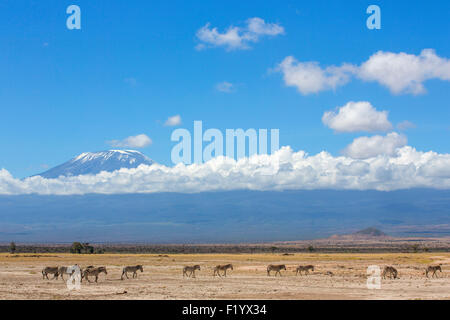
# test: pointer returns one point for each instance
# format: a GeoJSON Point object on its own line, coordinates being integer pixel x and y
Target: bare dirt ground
{"type": "Point", "coordinates": [21, 278]}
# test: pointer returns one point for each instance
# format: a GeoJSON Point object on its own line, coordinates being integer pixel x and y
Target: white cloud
{"type": "Point", "coordinates": [139, 141]}
{"type": "Point", "coordinates": [405, 125]}
{"type": "Point", "coordinates": [225, 86]}
{"type": "Point", "coordinates": [399, 72]}
{"type": "Point", "coordinates": [357, 116]}
{"type": "Point", "coordinates": [405, 168]}
{"type": "Point", "coordinates": [237, 37]}
{"type": "Point", "coordinates": [173, 121]}
{"type": "Point", "coordinates": [369, 147]}
{"type": "Point", "coordinates": [309, 77]}
{"type": "Point", "coordinates": [259, 27]}
{"type": "Point", "coordinates": [405, 73]}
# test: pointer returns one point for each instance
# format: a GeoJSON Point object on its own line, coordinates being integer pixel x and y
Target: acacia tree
{"type": "Point", "coordinates": [76, 247]}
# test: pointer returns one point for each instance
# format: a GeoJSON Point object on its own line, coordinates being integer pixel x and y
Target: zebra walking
{"type": "Point", "coordinates": [433, 269]}
{"type": "Point", "coordinates": [390, 271]}
{"type": "Point", "coordinates": [93, 272]}
{"type": "Point", "coordinates": [50, 270]}
{"type": "Point", "coordinates": [275, 267]}
{"type": "Point", "coordinates": [191, 270]}
{"type": "Point", "coordinates": [305, 269]}
{"type": "Point", "coordinates": [133, 269]}
{"type": "Point", "coordinates": [223, 268]}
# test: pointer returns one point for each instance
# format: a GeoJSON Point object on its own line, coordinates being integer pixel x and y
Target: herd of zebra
{"type": "Point", "coordinates": [88, 271]}
{"type": "Point", "coordinates": [189, 271]}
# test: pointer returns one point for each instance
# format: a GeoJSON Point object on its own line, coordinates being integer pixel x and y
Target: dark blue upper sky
{"type": "Point", "coordinates": [133, 64]}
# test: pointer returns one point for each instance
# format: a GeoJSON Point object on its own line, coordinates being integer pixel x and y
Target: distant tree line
{"type": "Point", "coordinates": [78, 247]}
{"type": "Point", "coordinates": [87, 248]}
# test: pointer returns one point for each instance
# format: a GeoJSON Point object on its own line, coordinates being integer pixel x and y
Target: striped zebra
{"type": "Point", "coordinates": [191, 270]}
{"type": "Point", "coordinates": [93, 272]}
{"type": "Point", "coordinates": [50, 270]}
{"type": "Point", "coordinates": [306, 269]}
{"type": "Point", "coordinates": [390, 271]}
{"type": "Point", "coordinates": [133, 269]}
{"type": "Point", "coordinates": [82, 271]}
{"type": "Point", "coordinates": [224, 268]}
{"type": "Point", "coordinates": [433, 269]}
{"type": "Point", "coordinates": [275, 267]}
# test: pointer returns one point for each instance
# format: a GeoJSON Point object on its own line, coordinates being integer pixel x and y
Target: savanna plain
{"type": "Point", "coordinates": [335, 276]}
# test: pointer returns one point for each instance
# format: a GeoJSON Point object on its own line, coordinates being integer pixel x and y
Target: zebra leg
{"type": "Point", "coordinates": [96, 278]}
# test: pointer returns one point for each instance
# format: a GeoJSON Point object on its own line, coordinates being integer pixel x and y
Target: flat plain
{"type": "Point", "coordinates": [336, 276]}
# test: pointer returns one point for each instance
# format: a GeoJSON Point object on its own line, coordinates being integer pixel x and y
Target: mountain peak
{"type": "Point", "coordinates": [95, 162]}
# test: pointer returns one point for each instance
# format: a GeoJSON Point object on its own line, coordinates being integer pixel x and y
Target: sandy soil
{"type": "Point", "coordinates": [21, 278]}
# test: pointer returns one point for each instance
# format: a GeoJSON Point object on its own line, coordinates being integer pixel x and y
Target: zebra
{"type": "Point", "coordinates": [68, 270]}
{"type": "Point", "coordinates": [93, 272]}
{"type": "Point", "coordinates": [51, 270]}
{"type": "Point", "coordinates": [83, 271]}
{"type": "Point", "coordinates": [305, 269]}
{"type": "Point", "coordinates": [191, 270]}
{"type": "Point", "coordinates": [433, 269]}
{"type": "Point", "coordinates": [223, 268]}
{"type": "Point", "coordinates": [61, 271]}
{"type": "Point", "coordinates": [390, 271]}
{"type": "Point", "coordinates": [133, 269]}
{"type": "Point", "coordinates": [276, 268]}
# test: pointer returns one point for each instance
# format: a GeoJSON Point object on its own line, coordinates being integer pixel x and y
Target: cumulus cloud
{"type": "Point", "coordinates": [405, 73]}
{"type": "Point", "coordinates": [234, 38]}
{"type": "Point", "coordinates": [405, 168]}
{"type": "Point", "coordinates": [357, 116]}
{"type": "Point", "coordinates": [399, 72]}
{"type": "Point", "coordinates": [173, 121]}
{"type": "Point", "coordinates": [309, 77]}
{"type": "Point", "coordinates": [369, 147]}
{"type": "Point", "coordinates": [139, 141]}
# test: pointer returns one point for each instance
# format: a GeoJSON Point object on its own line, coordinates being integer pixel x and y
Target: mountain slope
{"type": "Point", "coordinates": [95, 162]}
{"type": "Point", "coordinates": [370, 232]}
{"type": "Point", "coordinates": [233, 216]}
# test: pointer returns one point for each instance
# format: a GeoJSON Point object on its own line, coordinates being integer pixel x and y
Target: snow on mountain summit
{"type": "Point", "coordinates": [95, 162]}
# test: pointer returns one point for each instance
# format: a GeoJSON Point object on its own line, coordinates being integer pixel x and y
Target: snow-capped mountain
{"type": "Point", "coordinates": [95, 162]}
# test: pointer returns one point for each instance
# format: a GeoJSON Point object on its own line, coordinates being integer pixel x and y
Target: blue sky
{"type": "Point", "coordinates": [133, 64]}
